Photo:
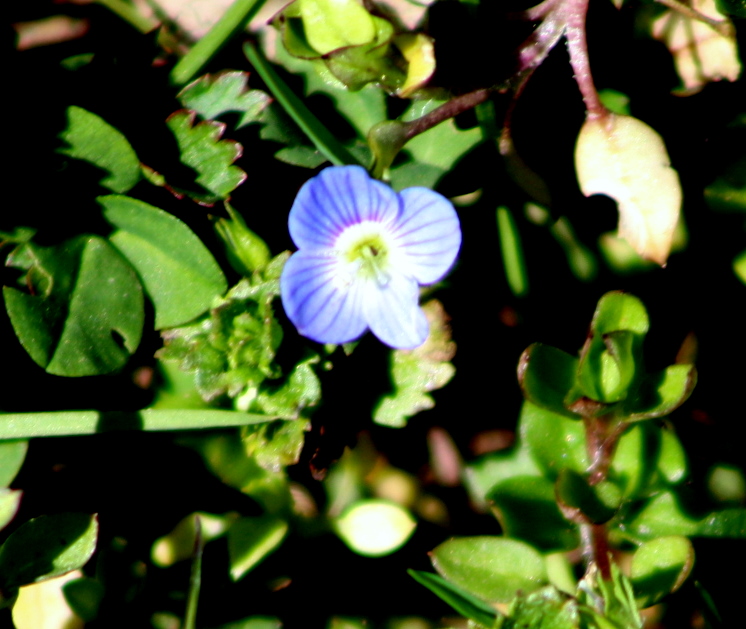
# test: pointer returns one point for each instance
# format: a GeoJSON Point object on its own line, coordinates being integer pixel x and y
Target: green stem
{"type": "Point", "coordinates": [129, 13]}
{"type": "Point", "coordinates": [65, 423]}
{"type": "Point", "coordinates": [235, 19]}
{"type": "Point", "coordinates": [195, 578]}
{"type": "Point", "coordinates": [321, 137]}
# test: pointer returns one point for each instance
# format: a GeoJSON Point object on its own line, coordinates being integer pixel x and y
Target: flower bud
{"type": "Point", "coordinates": [246, 251]}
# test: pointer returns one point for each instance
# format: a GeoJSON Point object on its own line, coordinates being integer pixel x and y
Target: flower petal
{"type": "Point", "coordinates": [393, 312]}
{"type": "Point", "coordinates": [339, 196]}
{"type": "Point", "coordinates": [427, 233]}
{"type": "Point", "coordinates": [318, 301]}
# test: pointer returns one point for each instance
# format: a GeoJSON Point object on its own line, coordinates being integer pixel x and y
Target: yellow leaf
{"type": "Point", "coordinates": [700, 53]}
{"type": "Point", "coordinates": [43, 606]}
{"type": "Point", "coordinates": [419, 51]}
{"type": "Point", "coordinates": [625, 159]}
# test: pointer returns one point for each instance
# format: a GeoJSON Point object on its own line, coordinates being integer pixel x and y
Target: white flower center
{"type": "Point", "coordinates": [366, 251]}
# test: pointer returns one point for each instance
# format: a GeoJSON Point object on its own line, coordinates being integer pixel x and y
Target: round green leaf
{"type": "Point", "coordinates": [87, 314]}
{"type": "Point", "coordinates": [12, 455]}
{"type": "Point", "coordinates": [527, 510]}
{"type": "Point", "coordinates": [492, 568]}
{"type": "Point", "coordinates": [46, 547]}
{"type": "Point", "coordinates": [546, 376]}
{"type": "Point", "coordinates": [179, 273]}
{"type": "Point", "coordinates": [660, 567]}
{"type": "Point", "coordinates": [555, 442]}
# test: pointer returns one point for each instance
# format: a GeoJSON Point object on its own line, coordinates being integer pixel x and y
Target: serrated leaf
{"type": "Point", "coordinates": [215, 94]}
{"type": "Point", "coordinates": [212, 158]}
{"type": "Point", "coordinates": [92, 139]}
{"type": "Point", "coordinates": [434, 152]}
{"type": "Point", "coordinates": [179, 273]}
{"type": "Point", "coordinates": [86, 315]}
{"type": "Point", "coordinates": [232, 350]}
{"type": "Point", "coordinates": [275, 445]}
{"type": "Point", "coordinates": [624, 158]}
{"type": "Point", "coordinates": [46, 547]}
{"type": "Point", "coordinates": [415, 372]}
{"type": "Point", "coordinates": [492, 568]}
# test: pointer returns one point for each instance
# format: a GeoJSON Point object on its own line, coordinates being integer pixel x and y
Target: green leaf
{"type": "Point", "coordinates": [434, 152]}
{"type": "Point", "coordinates": [672, 463]}
{"type": "Point", "coordinates": [512, 252]}
{"type": "Point", "coordinates": [212, 158]}
{"type": "Point", "coordinates": [86, 314]}
{"type": "Point", "coordinates": [251, 539]}
{"type": "Point", "coordinates": [732, 7]}
{"type": "Point", "coordinates": [462, 601]}
{"type": "Point", "coordinates": [527, 510]}
{"type": "Point", "coordinates": [232, 22]}
{"type": "Point", "coordinates": [585, 504]}
{"type": "Point", "coordinates": [10, 500]}
{"type": "Point", "coordinates": [301, 390]}
{"type": "Point", "coordinates": [662, 393]}
{"type": "Point", "coordinates": [254, 622]}
{"type": "Point", "coordinates": [319, 135]}
{"type": "Point", "coordinates": [662, 515]}
{"type": "Point", "coordinates": [613, 598]}
{"type": "Point", "coordinates": [547, 377]}
{"type": "Point", "coordinates": [93, 140]}
{"type": "Point", "coordinates": [179, 273]}
{"type": "Point", "coordinates": [84, 597]}
{"type": "Point", "coordinates": [638, 452]}
{"type": "Point", "coordinates": [374, 527]}
{"type": "Point", "coordinates": [415, 372]}
{"type": "Point", "coordinates": [213, 95]}
{"type": "Point", "coordinates": [362, 109]}
{"type": "Point", "coordinates": [660, 567]}
{"type": "Point", "coordinates": [232, 350]}
{"type": "Point", "coordinates": [482, 475]}
{"type": "Point", "coordinates": [729, 523]}
{"type": "Point", "coordinates": [555, 442]}
{"type": "Point", "coordinates": [545, 609]}
{"type": "Point", "coordinates": [492, 568]}
{"type": "Point", "coordinates": [611, 359]}
{"type": "Point", "coordinates": [46, 547]}
{"type": "Point", "coordinates": [12, 455]}
{"type": "Point", "coordinates": [275, 445]}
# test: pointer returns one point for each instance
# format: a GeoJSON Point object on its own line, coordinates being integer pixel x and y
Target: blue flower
{"type": "Point", "coordinates": [363, 251]}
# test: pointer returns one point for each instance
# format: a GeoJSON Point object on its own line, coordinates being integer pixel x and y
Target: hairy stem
{"type": "Point", "coordinates": [724, 27]}
{"type": "Point", "coordinates": [452, 108]}
{"type": "Point", "coordinates": [575, 12]}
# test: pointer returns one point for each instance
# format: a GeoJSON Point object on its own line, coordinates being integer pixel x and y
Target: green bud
{"type": "Point", "coordinates": [246, 251]}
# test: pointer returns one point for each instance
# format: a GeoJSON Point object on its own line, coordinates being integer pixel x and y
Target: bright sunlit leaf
{"type": "Point", "coordinates": [375, 527]}
{"type": "Point", "coordinates": [624, 158]}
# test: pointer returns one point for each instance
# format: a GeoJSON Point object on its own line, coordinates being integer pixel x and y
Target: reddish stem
{"type": "Point", "coordinates": [574, 12]}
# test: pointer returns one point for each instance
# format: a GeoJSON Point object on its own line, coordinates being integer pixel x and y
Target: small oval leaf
{"type": "Point", "coordinates": [492, 568]}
